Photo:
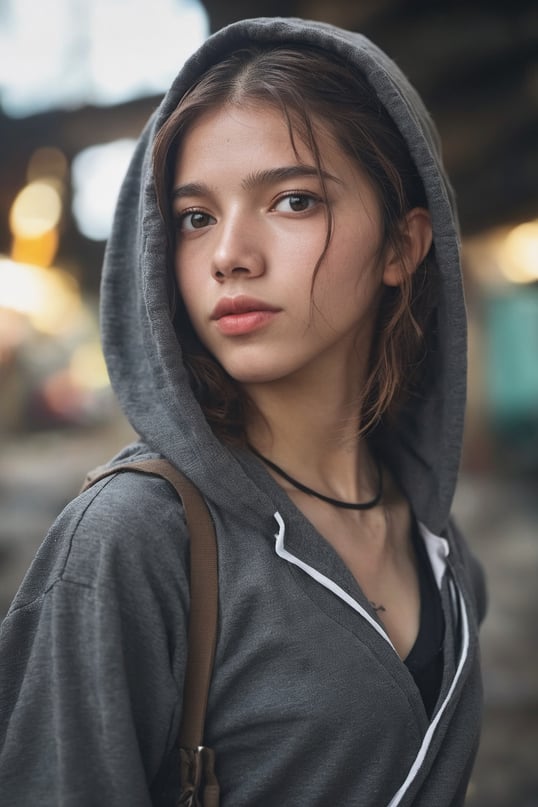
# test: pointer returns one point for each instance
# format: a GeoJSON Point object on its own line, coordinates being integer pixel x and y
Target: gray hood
{"type": "Point", "coordinates": [140, 343]}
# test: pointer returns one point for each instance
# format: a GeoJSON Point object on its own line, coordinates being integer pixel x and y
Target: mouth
{"type": "Point", "coordinates": [237, 316]}
{"type": "Point", "coordinates": [236, 306]}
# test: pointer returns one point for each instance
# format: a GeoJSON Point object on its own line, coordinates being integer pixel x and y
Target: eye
{"type": "Point", "coordinates": [296, 202]}
{"type": "Point", "coordinates": [192, 220]}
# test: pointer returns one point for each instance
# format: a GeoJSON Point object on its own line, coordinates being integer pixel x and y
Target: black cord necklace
{"type": "Point", "coordinates": [336, 502]}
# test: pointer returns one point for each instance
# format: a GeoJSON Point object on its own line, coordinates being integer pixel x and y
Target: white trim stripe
{"type": "Point", "coordinates": [438, 550]}
{"type": "Point", "coordinates": [326, 582]}
{"type": "Point", "coordinates": [419, 759]}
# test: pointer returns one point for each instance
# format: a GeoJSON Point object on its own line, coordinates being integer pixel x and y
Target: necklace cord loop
{"type": "Point", "coordinates": [310, 492]}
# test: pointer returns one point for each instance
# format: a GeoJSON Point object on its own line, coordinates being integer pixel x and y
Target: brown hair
{"type": "Point", "coordinates": [307, 84]}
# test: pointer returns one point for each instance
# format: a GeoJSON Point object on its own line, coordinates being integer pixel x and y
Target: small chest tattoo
{"type": "Point", "coordinates": [377, 606]}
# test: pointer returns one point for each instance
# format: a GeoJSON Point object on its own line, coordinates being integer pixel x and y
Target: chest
{"type": "Point", "coordinates": [294, 611]}
{"type": "Point", "coordinates": [303, 682]}
{"type": "Point", "coordinates": [377, 548]}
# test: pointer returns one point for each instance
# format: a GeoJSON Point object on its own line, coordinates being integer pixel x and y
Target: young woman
{"type": "Point", "coordinates": [283, 320]}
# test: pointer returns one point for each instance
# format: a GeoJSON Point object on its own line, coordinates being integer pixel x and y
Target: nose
{"type": "Point", "coordinates": [239, 250]}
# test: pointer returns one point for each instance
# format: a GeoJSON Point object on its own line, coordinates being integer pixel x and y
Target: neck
{"type": "Point", "coordinates": [311, 431]}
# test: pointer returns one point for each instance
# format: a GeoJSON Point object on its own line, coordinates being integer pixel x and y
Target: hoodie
{"type": "Point", "coordinates": [309, 702]}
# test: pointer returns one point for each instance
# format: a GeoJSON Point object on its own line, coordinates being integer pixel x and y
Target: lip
{"type": "Point", "coordinates": [237, 316]}
{"type": "Point", "coordinates": [241, 304]}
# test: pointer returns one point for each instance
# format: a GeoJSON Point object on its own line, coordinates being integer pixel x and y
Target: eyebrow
{"type": "Point", "coordinates": [267, 176]}
{"type": "Point", "coordinates": [271, 175]}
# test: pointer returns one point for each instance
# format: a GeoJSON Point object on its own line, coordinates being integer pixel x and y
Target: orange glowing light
{"type": "Point", "coordinates": [39, 251]}
{"type": "Point", "coordinates": [36, 210]}
{"type": "Point", "coordinates": [49, 298]}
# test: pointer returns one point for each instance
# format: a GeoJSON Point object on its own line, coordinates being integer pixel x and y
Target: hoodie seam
{"type": "Point", "coordinates": [61, 574]}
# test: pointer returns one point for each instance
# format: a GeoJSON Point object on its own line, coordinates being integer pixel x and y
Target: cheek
{"type": "Point", "coordinates": [349, 281]}
{"type": "Point", "coordinates": [355, 261]}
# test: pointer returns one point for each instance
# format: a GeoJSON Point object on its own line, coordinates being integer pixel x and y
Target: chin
{"type": "Point", "coordinates": [254, 373]}
{"type": "Point", "coordinates": [247, 377]}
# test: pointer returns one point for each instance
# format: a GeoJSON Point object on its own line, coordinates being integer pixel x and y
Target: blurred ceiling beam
{"type": "Point", "coordinates": [475, 63]}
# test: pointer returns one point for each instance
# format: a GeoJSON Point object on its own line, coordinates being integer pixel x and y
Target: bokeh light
{"type": "Point", "coordinates": [47, 163]}
{"type": "Point", "coordinates": [50, 298]}
{"type": "Point", "coordinates": [519, 254]}
{"type": "Point", "coordinates": [67, 53]}
{"type": "Point", "coordinates": [36, 210]}
{"type": "Point", "coordinates": [97, 174]}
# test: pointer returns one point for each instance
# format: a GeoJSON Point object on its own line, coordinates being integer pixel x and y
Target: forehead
{"type": "Point", "coordinates": [255, 131]}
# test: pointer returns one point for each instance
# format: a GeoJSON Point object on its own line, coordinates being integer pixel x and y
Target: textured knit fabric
{"type": "Point", "coordinates": [309, 704]}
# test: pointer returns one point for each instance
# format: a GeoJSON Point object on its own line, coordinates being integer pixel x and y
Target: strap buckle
{"type": "Point", "coordinates": [199, 785]}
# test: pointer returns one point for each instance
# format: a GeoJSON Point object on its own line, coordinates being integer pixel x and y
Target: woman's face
{"type": "Point", "coordinates": [251, 225]}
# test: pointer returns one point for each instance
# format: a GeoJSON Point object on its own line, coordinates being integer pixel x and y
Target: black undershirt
{"type": "Point", "coordinates": [425, 660]}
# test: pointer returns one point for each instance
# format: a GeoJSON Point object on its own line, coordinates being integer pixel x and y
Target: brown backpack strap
{"type": "Point", "coordinates": [202, 632]}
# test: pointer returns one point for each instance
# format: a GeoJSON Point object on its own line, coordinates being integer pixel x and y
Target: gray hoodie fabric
{"type": "Point", "coordinates": [309, 703]}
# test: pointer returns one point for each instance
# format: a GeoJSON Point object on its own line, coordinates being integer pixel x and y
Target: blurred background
{"type": "Point", "coordinates": [77, 82]}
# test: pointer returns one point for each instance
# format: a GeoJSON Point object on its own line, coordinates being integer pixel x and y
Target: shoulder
{"type": "Point", "coordinates": [100, 624]}
{"type": "Point", "coordinates": [130, 504]}
{"type": "Point", "coordinates": [132, 527]}
{"type": "Point", "coordinates": [125, 533]}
